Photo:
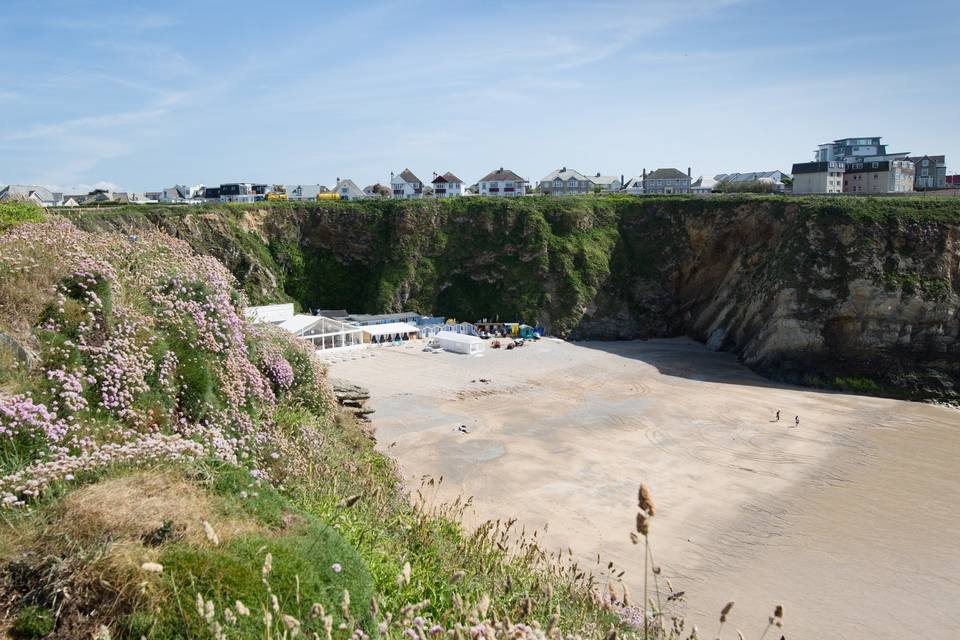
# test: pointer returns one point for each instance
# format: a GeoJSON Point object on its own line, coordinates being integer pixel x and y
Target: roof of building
{"type": "Point", "coordinates": [24, 191]}
{"type": "Point", "coordinates": [349, 184]}
{"type": "Point", "coordinates": [599, 179]}
{"type": "Point", "coordinates": [448, 177]}
{"type": "Point", "coordinates": [938, 159]}
{"type": "Point", "coordinates": [564, 174]}
{"type": "Point", "coordinates": [299, 322]}
{"type": "Point", "coordinates": [453, 336]}
{"type": "Point", "coordinates": [451, 178]}
{"type": "Point", "coordinates": [269, 313]}
{"type": "Point", "coordinates": [666, 174]}
{"type": "Point", "coordinates": [390, 328]}
{"type": "Point", "coordinates": [750, 176]}
{"type": "Point", "coordinates": [633, 182]}
{"type": "Point", "coordinates": [501, 174]}
{"type": "Point", "coordinates": [380, 317]}
{"type": "Point", "coordinates": [704, 182]}
{"type": "Point", "coordinates": [817, 167]}
{"type": "Point", "coordinates": [407, 176]}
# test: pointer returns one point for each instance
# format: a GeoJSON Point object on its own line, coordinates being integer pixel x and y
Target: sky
{"type": "Point", "coordinates": [142, 95]}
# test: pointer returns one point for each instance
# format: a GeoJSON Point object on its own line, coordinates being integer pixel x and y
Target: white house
{"type": "Point", "coordinates": [304, 191]}
{"type": "Point", "coordinates": [405, 185]}
{"type": "Point", "coordinates": [503, 183]}
{"type": "Point", "coordinates": [703, 185]}
{"type": "Point", "coordinates": [634, 186]}
{"type": "Point", "coordinates": [348, 190]}
{"type": "Point", "coordinates": [446, 185]}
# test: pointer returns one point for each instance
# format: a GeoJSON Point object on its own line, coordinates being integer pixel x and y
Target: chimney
{"type": "Point", "coordinates": [644, 173]}
{"type": "Point", "coordinates": [621, 180]}
{"type": "Point", "coordinates": [598, 175]}
{"type": "Point", "coordinates": [688, 172]}
{"type": "Point", "coordinates": [564, 169]}
{"type": "Point", "coordinates": [391, 176]}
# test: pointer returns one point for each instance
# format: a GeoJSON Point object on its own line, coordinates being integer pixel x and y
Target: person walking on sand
{"type": "Point", "coordinates": [778, 415]}
{"type": "Point", "coordinates": [796, 421]}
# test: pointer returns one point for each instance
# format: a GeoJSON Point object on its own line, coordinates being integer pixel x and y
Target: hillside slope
{"type": "Point", "coordinates": [855, 293]}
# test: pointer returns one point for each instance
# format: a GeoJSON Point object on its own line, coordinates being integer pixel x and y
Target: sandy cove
{"type": "Point", "coordinates": [849, 521]}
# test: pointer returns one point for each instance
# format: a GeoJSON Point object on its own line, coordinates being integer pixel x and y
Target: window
{"type": "Point", "coordinates": [925, 163]}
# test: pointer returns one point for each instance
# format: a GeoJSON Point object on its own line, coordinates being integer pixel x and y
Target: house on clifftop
{"type": "Point", "coordinates": [348, 190]}
{"type": "Point", "coordinates": [502, 183]}
{"type": "Point", "coordinates": [405, 185]}
{"type": "Point", "coordinates": [666, 181]}
{"type": "Point", "coordinates": [446, 185]}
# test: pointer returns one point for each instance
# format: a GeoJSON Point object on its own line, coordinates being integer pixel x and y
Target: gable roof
{"type": "Point", "coordinates": [937, 159]}
{"type": "Point", "coordinates": [599, 179]}
{"type": "Point", "coordinates": [564, 174]}
{"type": "Point", "coordinates": [750, 176]}
{"type": "Point", "coordinates": [349, 184]}
{"type": "Point", "coordinates": [666, 174]}
{"type": "Point", "coordinates": [633, 182]}
{"type": "Point", "coordinates": [501, 174]}
{"type": "Point", "coordinates": [451, 178]}
{"type": "Point", "coordinates": [24, 191]}
{"type": "Point", "coordinates": [407, 176]}
{"type": "Point", "coordinates": [448, 178]}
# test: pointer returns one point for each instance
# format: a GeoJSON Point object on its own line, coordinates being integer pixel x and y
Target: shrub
{"type": "Point", "coordinates": [32, 622]}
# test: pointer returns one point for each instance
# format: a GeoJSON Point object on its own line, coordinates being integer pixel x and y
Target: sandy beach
{"type": "Point", "coordinates": [849, 521]}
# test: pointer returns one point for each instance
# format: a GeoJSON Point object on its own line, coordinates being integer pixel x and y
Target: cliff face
{"type": "Point", "coordinates": [860, 294]}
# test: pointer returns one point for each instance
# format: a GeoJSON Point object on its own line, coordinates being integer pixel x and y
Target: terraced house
{"type": "Point", "coordinates": [502, 183]}
{"type": "Point", "coordinates": [666, 181]}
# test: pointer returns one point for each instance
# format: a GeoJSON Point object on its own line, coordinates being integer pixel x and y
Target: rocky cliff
{"type": "Point", "coordinates": [855, 293]}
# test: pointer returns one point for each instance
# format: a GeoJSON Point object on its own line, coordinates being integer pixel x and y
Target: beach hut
{"type": "Point", "coordinates": [460, 342]}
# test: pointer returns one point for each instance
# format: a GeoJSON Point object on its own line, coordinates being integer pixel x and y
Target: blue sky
{"type": "Point", "coordinates": [144, 95]}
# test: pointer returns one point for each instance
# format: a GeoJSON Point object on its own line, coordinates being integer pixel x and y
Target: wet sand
{"type": "Point", "coordinates": [849, 521]}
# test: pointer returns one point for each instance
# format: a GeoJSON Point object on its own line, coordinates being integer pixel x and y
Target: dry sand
{"type": "Point", "coordinates": [850, 521]}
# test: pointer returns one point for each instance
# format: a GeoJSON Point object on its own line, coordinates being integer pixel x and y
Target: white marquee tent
{"type": "Point", "coordinates": [460, 342]}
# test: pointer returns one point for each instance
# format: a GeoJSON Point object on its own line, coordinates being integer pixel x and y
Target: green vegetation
{"type": "Point", "coordinates": [14, 213]}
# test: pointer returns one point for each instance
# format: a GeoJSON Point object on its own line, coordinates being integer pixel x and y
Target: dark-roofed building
{"type": "Point", "coordinates": [666, 181]}
{"type": "Point", "coordinates": [880, 176]}
{"type": "Point", "coordinates": [818, 177]}
{"type": "Point", "coordinates": [931, 172]}
{"type": "Point", "coordinates": [446, 185]}
{"type": "Point", "coordinates": [405, 185]}
{"type": "Point", "coordinates": [502, 183]}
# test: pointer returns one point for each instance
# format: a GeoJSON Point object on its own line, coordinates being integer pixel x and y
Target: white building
{"type": "Point", "coordinates": [323, 332]}
{"type": "Point", "coordinates": [405, 185]}
{"type": "Point", "coordinates": [703, 185]}
{"type": "Point", "coordinates": [446, 185]}
{"type": "Point", "coordinates": [304, 191]}
{"type": "Point", "coordinates": [634, 186]}
{"type": "Point", "coordinates": [460, 343]}
{"type": "Point", "coordinates": [502, 183]}
{"type": "Point", "coordinates": [348, 190]}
